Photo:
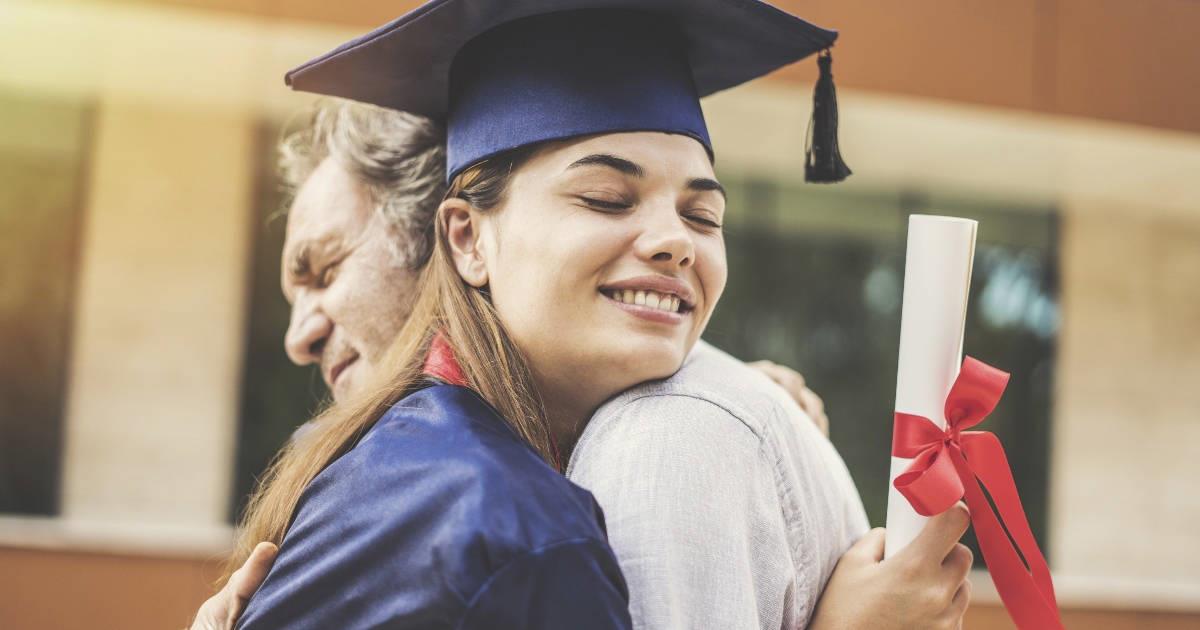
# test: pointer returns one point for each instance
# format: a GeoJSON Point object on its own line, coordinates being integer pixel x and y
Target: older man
{"type": "Point", "coordinates": [367, 182]}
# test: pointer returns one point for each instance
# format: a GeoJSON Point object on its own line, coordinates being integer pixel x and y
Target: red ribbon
{"type": "Point", "coordinates": [954, 462]}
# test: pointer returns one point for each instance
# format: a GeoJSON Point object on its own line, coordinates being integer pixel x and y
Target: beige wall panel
{"type": "Point", "coordinates": [140, 54]}
{"type": "Point", "coordinates": [901, 142]}
{"type": "Point", "coordinates": [159, 323]}
{"type": "Point", "coordinates": [1130, 344]}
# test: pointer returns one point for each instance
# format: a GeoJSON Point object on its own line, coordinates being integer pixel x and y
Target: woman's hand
{"type": "Point", "coordinates": [222, 610]}
{"type": "Point", "coordinates": [793, 383]}
{"type": "Point", "coordinates": [923, 586]}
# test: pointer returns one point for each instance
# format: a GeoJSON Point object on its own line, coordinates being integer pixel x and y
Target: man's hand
{"type": "Point", "coordinates": [793, 383]}
{"type": "Point", "coordinates": [923, 586]}
{"type": "Point", "coordinates": [222, 610]}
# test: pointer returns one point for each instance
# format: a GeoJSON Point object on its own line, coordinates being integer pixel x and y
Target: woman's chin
{"type": "Point", "coordinates": [649, 362]}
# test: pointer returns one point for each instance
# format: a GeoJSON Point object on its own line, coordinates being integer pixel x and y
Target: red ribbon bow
{"type": "Point", "coordinates": [954, 462]}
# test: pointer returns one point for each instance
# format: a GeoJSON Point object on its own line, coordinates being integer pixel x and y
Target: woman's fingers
{"type": "Point", "coordinates": [245, 581]}
{"type": "Point", "coordinates": [939, 537]}
{"type": "Point", "coordinates": [248, 578]}
{"type": "Point", "coordinates": [794, 384]}
{"type": "Point", "coordinates": [815, 408]}
{"type": "Point", "coordinates": [958, 563]}
{"type": "Point", "coordinates": [869, 548]}
{"type": "Point", "coordinates": [958, 606]}
{"type": "Point", "coordinates": [787, 377]}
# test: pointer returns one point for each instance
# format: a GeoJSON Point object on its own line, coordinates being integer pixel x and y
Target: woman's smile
{"type": "Point", "coordinates": [653, 298]}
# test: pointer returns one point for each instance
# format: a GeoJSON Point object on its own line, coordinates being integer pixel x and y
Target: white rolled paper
{"type": "Point", "coordinates": [937, 276]}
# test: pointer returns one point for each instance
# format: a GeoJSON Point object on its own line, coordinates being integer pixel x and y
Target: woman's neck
{"type": "Point", "coordinates": [568, 412]}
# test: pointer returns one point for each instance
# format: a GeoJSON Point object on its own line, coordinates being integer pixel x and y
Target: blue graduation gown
{"type": "Point", "coordinates": [441, 517]}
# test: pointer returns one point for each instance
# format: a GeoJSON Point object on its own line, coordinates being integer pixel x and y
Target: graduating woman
{"type": "Point", "coordinates": [578, 254]}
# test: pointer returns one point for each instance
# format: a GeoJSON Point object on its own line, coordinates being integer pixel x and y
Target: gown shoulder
{"type": "Point", "coordinates": [408, 527]}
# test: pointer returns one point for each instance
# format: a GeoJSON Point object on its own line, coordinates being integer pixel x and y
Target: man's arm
{"type": "Point", "coordinates": [692, 514]}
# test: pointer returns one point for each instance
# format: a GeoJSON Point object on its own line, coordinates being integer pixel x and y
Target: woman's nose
{"type": "Point", "coordinates": [665, 239]}
{"type": "Point", "coordinates": [307, 333]}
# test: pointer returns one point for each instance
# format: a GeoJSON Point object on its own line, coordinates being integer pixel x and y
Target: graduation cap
{"type": "Point", "coordinates": [506, 74]}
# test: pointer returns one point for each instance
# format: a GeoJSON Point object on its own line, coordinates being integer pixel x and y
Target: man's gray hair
{"type": "Point", "coordinates": [400, 157]}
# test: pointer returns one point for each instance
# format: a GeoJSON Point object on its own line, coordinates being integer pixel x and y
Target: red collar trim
{"type": "Point", "coordinates": [440, 362]}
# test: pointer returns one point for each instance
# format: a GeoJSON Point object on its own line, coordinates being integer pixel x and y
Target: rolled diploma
{"type": "Point", "coordinates": [937, 276]}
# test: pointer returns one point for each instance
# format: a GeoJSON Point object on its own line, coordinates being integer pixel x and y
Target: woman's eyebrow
{"type": "Point", "coordinates": [627, 167]}
{"type": "Point", "coordinates": [702, 184]}
{"type": "Point", "coordinates": [611, 161]}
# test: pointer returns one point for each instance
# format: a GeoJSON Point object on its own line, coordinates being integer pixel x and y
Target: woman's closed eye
{"type": "Point", "coordinates": [605, 205]}
{"type": "Point", "coordinates": [611, 204]}
{"type": "Point", "coordinates": [703, 218]}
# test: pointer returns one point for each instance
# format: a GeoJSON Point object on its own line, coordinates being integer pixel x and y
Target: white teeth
{"type": "Point", "coordinates": [649, 299]}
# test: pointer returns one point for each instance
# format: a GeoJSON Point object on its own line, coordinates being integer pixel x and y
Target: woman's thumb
{"type": "Point", "coordinates": [869, 548]}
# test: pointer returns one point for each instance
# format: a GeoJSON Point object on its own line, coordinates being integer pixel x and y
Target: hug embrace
{"type": "Point", "coordinates": [503, 262]}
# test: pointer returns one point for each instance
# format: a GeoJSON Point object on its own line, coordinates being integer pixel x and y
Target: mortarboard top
{"type": "Point", "coordinates": [506, 74]}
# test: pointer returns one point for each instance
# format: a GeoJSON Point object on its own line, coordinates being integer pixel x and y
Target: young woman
{"type": "Point", "coordinates": [578, 254]}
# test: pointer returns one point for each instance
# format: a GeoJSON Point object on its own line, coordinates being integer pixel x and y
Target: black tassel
{"type": "Point", "coordinates": [822, 158]}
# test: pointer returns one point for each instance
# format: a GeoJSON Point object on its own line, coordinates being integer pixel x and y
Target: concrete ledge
{"type": "Point", "coordinates": [1104, 593]}
{"type": "Point", "coordinates": [136, 539]}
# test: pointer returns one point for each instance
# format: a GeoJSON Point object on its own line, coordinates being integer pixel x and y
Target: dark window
{"type": "Point", "coordinates": [42, 179]}
{"type": "Point", "coordinates": [276, 396]}
{"type": "Point", "coordinates": [816, 276]}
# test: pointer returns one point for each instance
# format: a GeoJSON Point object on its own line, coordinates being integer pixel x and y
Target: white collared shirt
{"type": "Point", "coordinates": [726, 506]}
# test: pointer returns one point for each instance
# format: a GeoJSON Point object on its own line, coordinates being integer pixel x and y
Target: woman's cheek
{"type": "Point", "coordinates": [713, 271]}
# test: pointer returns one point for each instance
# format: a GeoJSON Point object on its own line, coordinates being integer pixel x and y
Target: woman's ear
{"type": "Point", "coordinates": [462, 225]}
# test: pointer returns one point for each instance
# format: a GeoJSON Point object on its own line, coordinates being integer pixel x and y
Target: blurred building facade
{"type": "Point", "coordinates": [143, 382]}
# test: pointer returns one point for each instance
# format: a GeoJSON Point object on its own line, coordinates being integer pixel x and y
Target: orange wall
{"type": "Point", "coordinates": [1134, 62]}
{"type": "Point", "coordinates": [66, 590]}
{"type": "Point", "coordinates": [1119, 60]}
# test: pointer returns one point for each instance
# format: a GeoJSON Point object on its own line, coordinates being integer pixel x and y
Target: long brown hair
{"type": "Point", "coordinates": [490, 361]}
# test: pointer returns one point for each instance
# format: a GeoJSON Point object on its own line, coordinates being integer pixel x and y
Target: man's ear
{"type": "Point", "coordinates": [462, 225]}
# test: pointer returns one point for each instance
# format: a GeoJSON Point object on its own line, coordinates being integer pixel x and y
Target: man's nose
{"type": "Point", "coordinates": [666, 238]}
{"type": "Point", "coordinates": [306, 334]}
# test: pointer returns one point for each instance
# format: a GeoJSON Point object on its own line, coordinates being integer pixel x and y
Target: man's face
{"type": "Point", "coordinates": [348, 286]}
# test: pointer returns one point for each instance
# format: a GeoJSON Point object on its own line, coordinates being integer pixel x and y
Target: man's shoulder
{"type": "Point", "coordinates": [714, 402]}
{"type": "Point", "coordinates": [725, 386]}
